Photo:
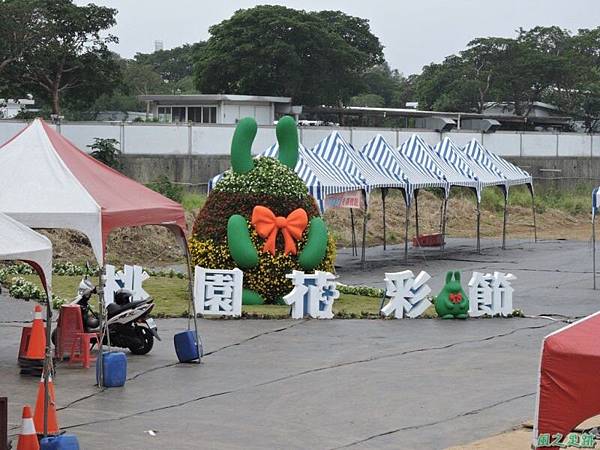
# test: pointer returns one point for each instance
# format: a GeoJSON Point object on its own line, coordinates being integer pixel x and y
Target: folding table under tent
{"type": "Point", "coordinates": [511, 175]}
{"type": "Point", "coordinates": [447, 151]}
{"type": "Point", "coordinates": [569, 373]}
{"type": "Point", "coordinates": [344, 157]}
{"type": "Point", "coordinates": [47, 182]}
{"type": "Point", "coordinates": [18, 242]}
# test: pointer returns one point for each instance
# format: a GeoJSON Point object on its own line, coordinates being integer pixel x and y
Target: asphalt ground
{"type": "Point", "coordinates": [284, 384]}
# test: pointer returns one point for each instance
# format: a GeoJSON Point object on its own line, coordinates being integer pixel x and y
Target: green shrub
{"type": "Point", "coordinates": [107, 152]}
{"type": "Point", "coordinates": [166, 187]}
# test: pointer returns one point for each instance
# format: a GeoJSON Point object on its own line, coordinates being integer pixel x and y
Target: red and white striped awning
{"type": "Point", "coordinates": [47, 182]}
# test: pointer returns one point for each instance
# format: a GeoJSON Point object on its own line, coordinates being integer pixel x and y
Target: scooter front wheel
{"type": "Point", "coordinates": [144, 341]}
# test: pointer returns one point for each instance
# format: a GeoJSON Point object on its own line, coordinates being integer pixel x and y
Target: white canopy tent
{"type": "Point", "coordinates": [18, 242]}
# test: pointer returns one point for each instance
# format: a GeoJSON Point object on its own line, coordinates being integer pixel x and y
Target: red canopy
{"type": "Point", "coordinates": [50, 183]}
{"type": "Point", "coordinates": [569, 387]}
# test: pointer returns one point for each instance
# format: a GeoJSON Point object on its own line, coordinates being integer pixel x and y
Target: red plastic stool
{"type": "Point", "coordinates": [80, 349]}
{"type": "Point", "coordinates": [70, 324]}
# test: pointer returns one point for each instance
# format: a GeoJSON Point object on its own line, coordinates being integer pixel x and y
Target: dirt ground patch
{"type": "Point", "coordinates": [155, 246]}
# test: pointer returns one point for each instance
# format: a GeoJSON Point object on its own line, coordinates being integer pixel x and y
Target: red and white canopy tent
{"type": "Point", "coordinates": [569, 377]}
{"type": "Point", "coordinates": [47, 182]}
{"type": "Point", "coordinates": [18, 242]}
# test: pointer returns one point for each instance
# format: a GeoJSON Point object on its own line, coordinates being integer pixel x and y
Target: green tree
{"type": "Point", "coordinates": [70, 54]}
{"type": "Point", "coordinates": [273, 50]}
{"type": "Point", "coordinates": [172, 65]}
{"type": "Point", "coordinates": [18, 19]}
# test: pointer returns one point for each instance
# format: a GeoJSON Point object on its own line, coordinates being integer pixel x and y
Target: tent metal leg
{"type": "Point", "coordinates": [478, 227]}
{"type": "Point", "coordinates": [533, 212]}
{"type": "Point", "coordinates": [406, 233]}
{"type": "Point", "coordinates": [353, 236]}
{"type": "Point", "coordinates": [47, 369]}
{"type": "Point", "coordinates": [504, 222]}
{"type": "Point", "coordinates": [363, 257]}
{"type": "Point", "coordinates": [192, 305]}
{"type": "Point", "coordinates": [416, 215]}
{"type": "Point", "coordinates": [441, 215]}
{"type": "Point", "coordinates": [594, 248]}
{"type": "Point", "coordinates": [102, 321]}
{"type": "Point", "coordinates": [383, 195]}
{"type": "Point", "coordinates": [444, 221]}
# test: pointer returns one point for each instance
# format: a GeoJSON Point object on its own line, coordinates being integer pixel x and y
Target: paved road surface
{"type": "Point", "coordinates": [357, 384]}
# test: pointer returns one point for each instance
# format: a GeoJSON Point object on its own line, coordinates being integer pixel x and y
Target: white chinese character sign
{"type": "Point", "coordinates": [491, 294]}
{"type": "Point", "coordinates": [218, 292]}
{"type": "Point", "coordinates": [313, 294]}
{"type": "Point", "coordinates": [407, 294]}
{"type": "Point", "coordinates": [131, 278]}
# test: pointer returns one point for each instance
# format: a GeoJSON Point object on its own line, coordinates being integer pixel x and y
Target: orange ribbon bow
{"type": "Point", "coordinates": [267, 225]}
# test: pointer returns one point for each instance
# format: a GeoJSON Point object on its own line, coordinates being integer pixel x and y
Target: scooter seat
{"type": "Point", "coordinates": [113, 309]}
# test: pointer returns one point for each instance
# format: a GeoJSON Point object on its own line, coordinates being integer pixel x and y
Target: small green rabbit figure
{"type": "Point", "coordinates": [452, 302]}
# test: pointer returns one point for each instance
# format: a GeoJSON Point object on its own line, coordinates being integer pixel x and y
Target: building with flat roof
{"type": "Point", "coordinates": [218, 108]}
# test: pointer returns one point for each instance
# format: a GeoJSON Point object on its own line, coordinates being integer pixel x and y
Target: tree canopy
{"type": "Point", "coordinates": [316, 58]}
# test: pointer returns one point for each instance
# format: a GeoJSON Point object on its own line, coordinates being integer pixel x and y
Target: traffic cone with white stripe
{"type": "Point", "coordinates": [28, 438]}
{"type": "Point", "coordinates": [36, 349]}
{"type": "Point", "coordinates": [38, 417]}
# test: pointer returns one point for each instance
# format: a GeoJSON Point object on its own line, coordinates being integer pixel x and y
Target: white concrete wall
{"type": "Point", "coordinates": [216, 139]}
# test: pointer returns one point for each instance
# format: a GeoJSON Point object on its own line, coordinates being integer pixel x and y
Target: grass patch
{"type": "Point", "coordinates": [171, 300]}
{"type": "Point", "coordinates": [191, 201]}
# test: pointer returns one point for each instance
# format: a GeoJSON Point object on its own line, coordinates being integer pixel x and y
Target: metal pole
{"type": "Point", "coordinates": [192, 305]}
{"type": "Point", "coordinates": [364, 238]}
{"type": "Point", "coordinates": [353, 233]}
{"type": "Point", "coordinates": [594, 247]}
{"type": "Point", "coordinates": [383, 195]}
{"type": "Point", "coordinates": [47, 370]}
{"type": "Point", "coordinates": [417, 214]}
{"type": "Point", "coordinates": [444, 221]}
{"type": "Point", "coordinates": [101, 321]}
{"type": "Point", "coordinates": [504, 222]}
{"type": "Point", "coordinates": [533, 211]}
{"type": "Point", "coordinates": [478, 226]}
{"type": "Point", "coordinates": [406, 233]}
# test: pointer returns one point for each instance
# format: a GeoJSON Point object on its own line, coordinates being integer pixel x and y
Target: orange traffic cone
{"type": "Point", "coordinates": [28, 439]}
{"type": "Point", "coordinates": [38, 417]}
{"type": "Point", "coordinates": [37, 340]}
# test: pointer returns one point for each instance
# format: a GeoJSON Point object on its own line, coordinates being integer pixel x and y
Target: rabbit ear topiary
{"type": "Point", "coordinates": [260, 218]}
{"type": "Point", "coordinates": [452, 302]}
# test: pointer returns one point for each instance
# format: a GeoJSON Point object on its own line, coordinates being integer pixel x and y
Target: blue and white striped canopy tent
{"type": "Point", "coordinates": [450, 152]}
{"type": "Point", "coordinates": [595, 208]}
{"type": "Point", "coordinates": [508, 174]}
{"type": "Point", "coordinates": [419, 165]}
{"type": "Point", "coordinates": [345, 157]}
{"type": "Point", "coordinates": [318, 176]}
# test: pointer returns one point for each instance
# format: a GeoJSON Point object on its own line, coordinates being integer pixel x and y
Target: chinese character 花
{"type": "Point", "coordinates": [313, 294]}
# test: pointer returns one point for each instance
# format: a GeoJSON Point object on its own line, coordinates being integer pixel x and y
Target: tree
{"type": "Point", "coordinates": [18, 31]}
{"type": "Point", "coordinates": [273, 50]}
{"type": "Point", "coordinates": [70, 55]}
{"type": "Point", "coordinates": [172, 65]}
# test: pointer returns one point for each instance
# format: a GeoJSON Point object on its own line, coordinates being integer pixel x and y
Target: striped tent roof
{"type": "Point", "coordinates": [419, 164]}
{"type": "Point", "coordinates": [344, 157]}
{"type": "Point", "coordinates": [495, 165]}
{"type": "Point", "coordinates": [447, 150]}
{"type": "Point", "coordinates": [317, 175]}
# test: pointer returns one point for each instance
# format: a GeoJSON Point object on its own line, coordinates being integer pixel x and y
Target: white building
{"type": "Point", "coordinates": [218, 108]}
{"type": "Point", "coordinates": [9, 108]}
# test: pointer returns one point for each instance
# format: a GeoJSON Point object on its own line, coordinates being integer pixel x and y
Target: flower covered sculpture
{"type": "Point", "coordinates": [260, 218]}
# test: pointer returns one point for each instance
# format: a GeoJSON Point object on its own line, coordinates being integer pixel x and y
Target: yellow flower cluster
{"type": "Point", "coordinates": [268, 277]}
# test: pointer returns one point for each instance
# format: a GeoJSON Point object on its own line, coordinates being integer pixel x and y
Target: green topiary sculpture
{"type": "Point", "coordinates": [452, 302]}
{"type": "Point", "coordinates": [260, 218]}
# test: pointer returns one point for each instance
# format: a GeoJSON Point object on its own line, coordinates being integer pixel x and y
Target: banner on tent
{"type": "Point", "coordinates": [350, 199]}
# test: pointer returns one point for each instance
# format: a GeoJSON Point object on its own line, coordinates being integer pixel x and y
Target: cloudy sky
{"type": "Point", "coordinates": [414, 33]}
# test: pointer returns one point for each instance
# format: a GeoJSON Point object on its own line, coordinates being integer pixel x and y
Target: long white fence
{"type": "Point", "coordinates": [173, 139]}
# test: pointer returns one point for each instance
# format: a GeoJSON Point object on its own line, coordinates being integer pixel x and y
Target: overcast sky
{"type": "Point", "coordinates": [414, 32]}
